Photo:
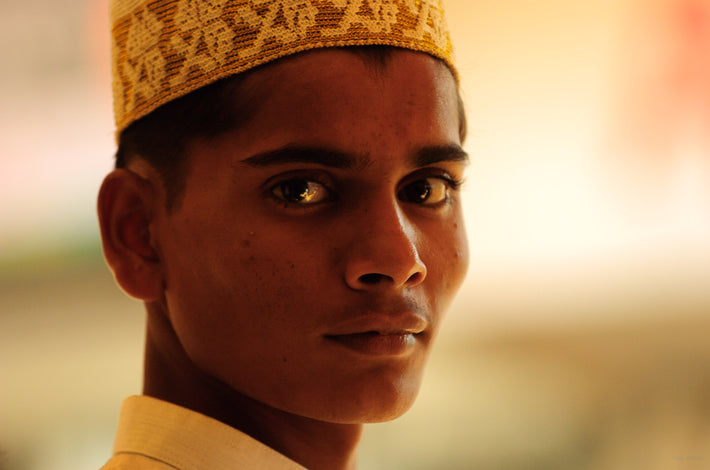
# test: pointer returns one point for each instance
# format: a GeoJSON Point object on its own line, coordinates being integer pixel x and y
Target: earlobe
{"type": "Point", "coordinates": [126, 208]}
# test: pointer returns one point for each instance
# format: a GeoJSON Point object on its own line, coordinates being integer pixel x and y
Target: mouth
{"type": "Point", "coordinates": [374, 343]}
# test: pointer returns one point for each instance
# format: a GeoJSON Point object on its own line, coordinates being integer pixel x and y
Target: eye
{"type": "Point", "coordinates": [301, 191]}
{"type": "Point", "coordinates": [427, 191]}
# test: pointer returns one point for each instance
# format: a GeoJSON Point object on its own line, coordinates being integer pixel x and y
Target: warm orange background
{"type": "Point", "coordinates": [580, 338]}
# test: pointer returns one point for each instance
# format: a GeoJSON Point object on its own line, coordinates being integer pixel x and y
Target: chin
{"type": "Point", "coordinates": [389, 415]}
{"type": "Point", "coordinates": [376, 404]}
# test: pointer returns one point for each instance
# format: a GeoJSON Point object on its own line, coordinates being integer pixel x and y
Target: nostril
{"type": "Point", "coordinates": [372, 278]}
{"type": "Point", "coordinates": [414, 278]}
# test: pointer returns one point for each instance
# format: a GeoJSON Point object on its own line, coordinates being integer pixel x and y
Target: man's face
{"type": "Point", "coordinates": [316, 248]}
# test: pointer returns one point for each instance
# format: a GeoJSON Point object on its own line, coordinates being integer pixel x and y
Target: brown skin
{"type": "Point", "coordinates": [255, 294]}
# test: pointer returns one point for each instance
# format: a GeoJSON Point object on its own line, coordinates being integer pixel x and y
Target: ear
{"type": "Point", "coordinates": [126, 208]}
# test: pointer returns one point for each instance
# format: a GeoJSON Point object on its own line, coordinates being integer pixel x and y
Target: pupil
{"type": "Point", "coordinates": [295, 190]}
{"type": "Point", "coordinates": [419, 191]}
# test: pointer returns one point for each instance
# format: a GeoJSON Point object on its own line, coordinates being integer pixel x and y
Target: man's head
{"type": "Point", "coordinates": [179, 65]}
{"type": "Point", "coordinates": [315, 238]}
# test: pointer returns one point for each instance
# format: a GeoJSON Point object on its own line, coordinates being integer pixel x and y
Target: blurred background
{"type": "Point", "coordinates": [580, 339]}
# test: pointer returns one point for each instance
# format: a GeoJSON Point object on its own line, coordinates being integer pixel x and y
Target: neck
{"type": "Point", "coordinates": [170, 375]}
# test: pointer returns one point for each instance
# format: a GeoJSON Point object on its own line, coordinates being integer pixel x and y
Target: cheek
{"type": "Point", "coordinates": [238, 288]}
{"type": "Point", "coordinates": [448, 258]}
{"type": "Point", "coordinates": [460, 250]}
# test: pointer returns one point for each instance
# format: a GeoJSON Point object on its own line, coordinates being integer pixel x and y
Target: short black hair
{"type": "Point", "coordinates": [161, 138]}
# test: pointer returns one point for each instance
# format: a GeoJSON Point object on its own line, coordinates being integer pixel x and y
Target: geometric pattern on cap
{"type": "Point", "coordinates": [164, 49]}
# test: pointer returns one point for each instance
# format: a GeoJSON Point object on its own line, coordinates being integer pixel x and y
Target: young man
{"type": "Point", "coordinates": [286, 204]}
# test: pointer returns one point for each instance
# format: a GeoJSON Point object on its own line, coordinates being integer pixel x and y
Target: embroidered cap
{"type": "Point", "coordinates": [164, 49]}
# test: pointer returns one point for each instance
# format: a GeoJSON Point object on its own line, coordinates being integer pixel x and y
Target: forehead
{"type": "Point", "coordinates": [325, 92]}
{"type": "Point", "coordinates": [336, 65]}
{"type": "Point", "coordinates": [339, 101]}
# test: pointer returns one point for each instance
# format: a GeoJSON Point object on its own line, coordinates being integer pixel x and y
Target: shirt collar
{"type": "Point", "coordinates": [188, 440]}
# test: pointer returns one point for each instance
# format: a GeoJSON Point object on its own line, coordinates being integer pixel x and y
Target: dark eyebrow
{"type": "Point", "coordinates": [297, 154]}
{"type": "Point", "coordinates": [440, 153]}
{"type": "Point", "coordinates": [343, 160]}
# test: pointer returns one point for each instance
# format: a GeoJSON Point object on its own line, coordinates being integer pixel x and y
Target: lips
{"type": "Point", "coordinates": [372, 343]}
{"type": "Point", "coordinates": [380, 335]}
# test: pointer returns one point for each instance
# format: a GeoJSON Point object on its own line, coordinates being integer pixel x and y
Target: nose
{"type": "Point", "coordinates": [383, 251]}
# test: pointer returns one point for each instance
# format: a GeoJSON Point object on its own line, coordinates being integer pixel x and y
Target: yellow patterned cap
{"type": "Point", "coordinates": [164, 49]}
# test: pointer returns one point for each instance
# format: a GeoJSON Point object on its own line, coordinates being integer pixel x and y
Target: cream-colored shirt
{"type": "Point", "coordinates": [157, 435]}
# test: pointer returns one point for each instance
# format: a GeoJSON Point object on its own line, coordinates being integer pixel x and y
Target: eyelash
{"type": "Point", "coordinates": [455, 184]}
